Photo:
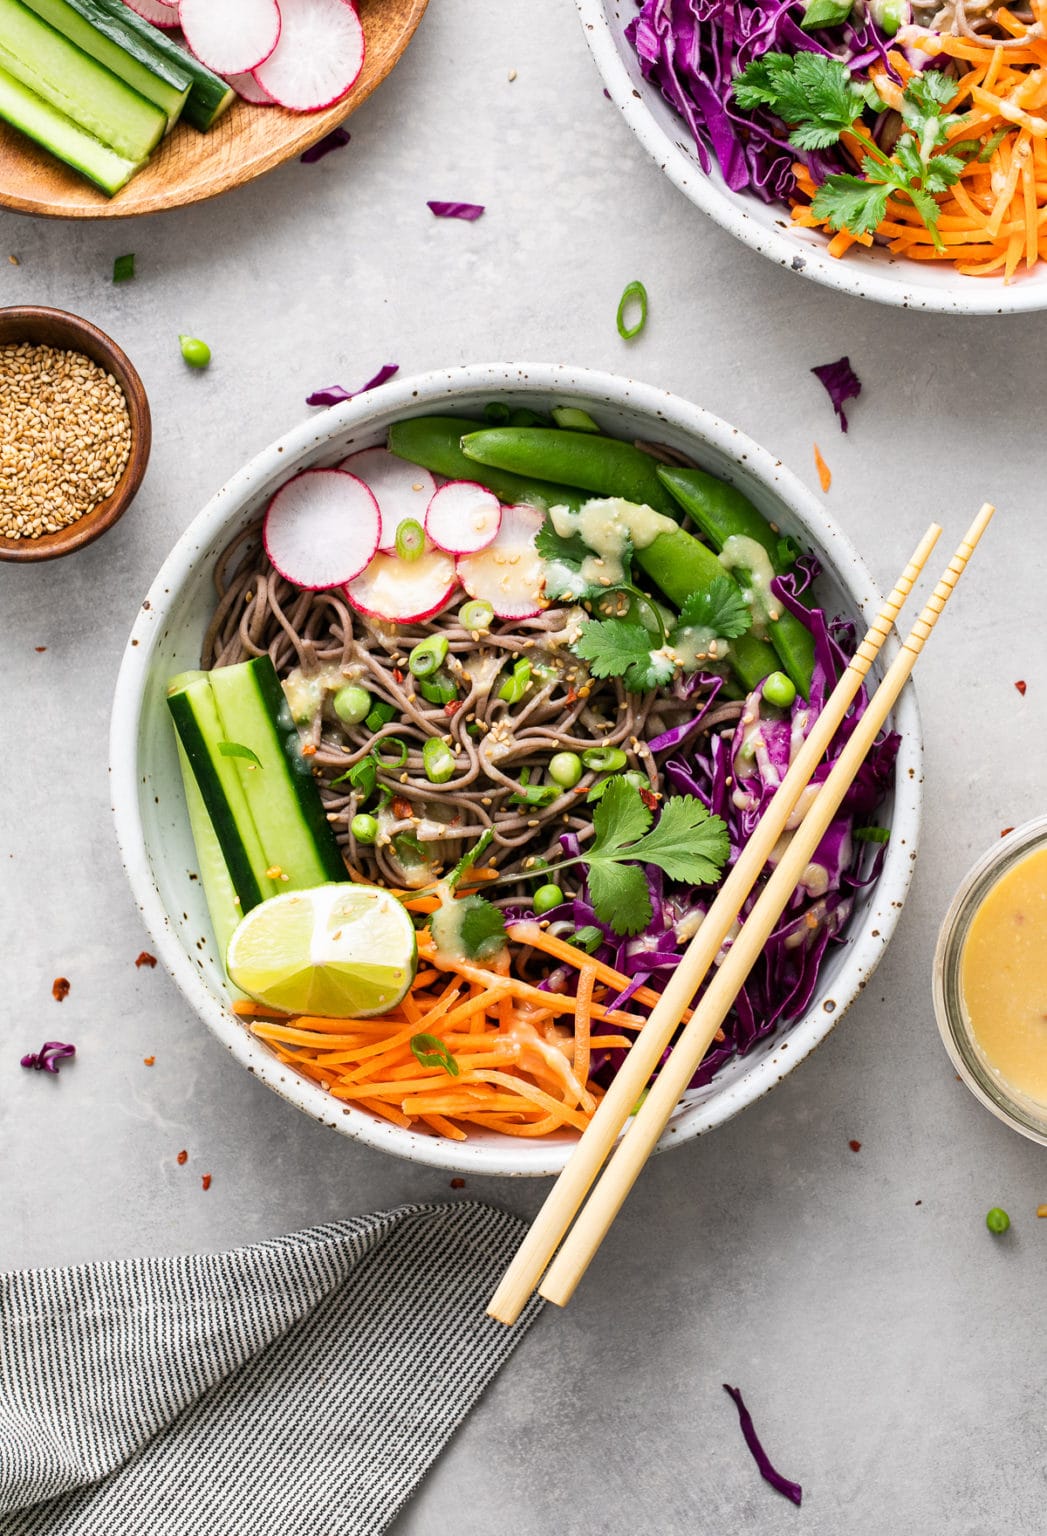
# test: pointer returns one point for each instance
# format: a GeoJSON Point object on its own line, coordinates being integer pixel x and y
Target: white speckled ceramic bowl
{"type": "Point", "coordinates": [147, 794]}
{"type": "Point", "coordinates": [866, 273]}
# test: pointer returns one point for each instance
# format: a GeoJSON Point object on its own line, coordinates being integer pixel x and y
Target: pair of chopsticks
{"type": "Point", "coordinates": [565, 1201]}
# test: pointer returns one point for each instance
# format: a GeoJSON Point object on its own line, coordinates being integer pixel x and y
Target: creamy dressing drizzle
{"type": "Point", "coordinates": [608, 526]}
{"type": "Point", "coordinates": [305, 691]}
{"type": "Point", "coordinates": [755, 573]}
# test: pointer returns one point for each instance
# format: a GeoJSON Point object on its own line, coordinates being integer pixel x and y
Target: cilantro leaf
{"type": "Point", "coordinates": [943, 171]}
{"type": "Point", "coordinates": [719, 607]}
{"type": "Point", "coordinates": [847, 202]}
{"type": "Point", "coordinates": [928, 91]}
{"type": "Point", "coordinates": [563, 558]}
{"type": "Point", "coordinates": [553, 546]}
{"type": "Point", "coordinates": [431, 1052]}
{"type": "Point", "coordinates": [618, 648]}
{"type": "Point", "coordinates": [688, 844]}
{"type": "Point", "coordinates": [813, 94]}
{"type": "Point", "coordinates": [482, 929]}
{"type": "Point", "coordinates": [237, 749]}
{"type": "Point", "coordinates": [469, 858]}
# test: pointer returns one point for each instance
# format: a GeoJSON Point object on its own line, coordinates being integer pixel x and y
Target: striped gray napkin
{"type": "Point", "coordinates": [300, 1387]}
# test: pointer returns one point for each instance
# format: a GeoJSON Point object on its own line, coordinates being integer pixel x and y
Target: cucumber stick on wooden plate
{"type": "Point", "coordinates": [96, 85]}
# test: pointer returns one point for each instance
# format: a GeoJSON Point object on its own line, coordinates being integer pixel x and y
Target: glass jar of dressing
{"type": "Point", "coordinates": [990, 980]}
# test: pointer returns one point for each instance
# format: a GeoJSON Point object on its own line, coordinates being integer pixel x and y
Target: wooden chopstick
{"type": "Point", "coordinates": [642, 1136]}
{"type": "Point", "coordinates": [648, 1048]}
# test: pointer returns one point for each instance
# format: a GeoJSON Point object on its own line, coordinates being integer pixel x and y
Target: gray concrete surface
{"type": "Point", "coordinates": [891, 1350]}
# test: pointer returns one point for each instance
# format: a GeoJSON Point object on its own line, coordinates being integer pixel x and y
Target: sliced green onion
{"type": "Point", "coordinates": [574, 419]}
{"type": "Point", "coordinates": [476, 615]}
{"type": "Point", "coordinates": [439, 689]}
{"type": "Point", "coordinates": [604, 759]}
{"type": "Point", "coordinates": [588, 939]}
{"type": "Point", "coordinates": [362, 776]}
{"type": "Point", "coordinates": [410, 539]}
{"type": "Point", "coordinates": [497, 413]}
{"type": "Point", "coordinates": [380, 715]}
{"type": "Point", "coordinates": [514, 687]}
{"type": "Point", "coordinates": [237, 749]}
{"type": "Point", "coordinates": [635, 293]}
{"type": "Point", "coordinates": [123, 269]}
{"type": "Point", "coordinates": [992, 144]}
{"type": "Point", "coordinates": [398, 747]}
{"type": "Point", "coordinates": [364, 828]}
{"type": "Point", "coordinates": [536, 795]}
{"type": "Point", "coordinates": [873, 834]}
{"type": "Point", "coordinates": [437, 760]}
{"type": "Point", "coordinates": [636, 780]}
{"type": "Point", "coordinates": [352, 704]}
{"type": "Point", "coordinates": [565, 769]}
{"type": "Point", "coordinates": [428, 655]}
{"type": "Point", "coordinates": [431, 1052]}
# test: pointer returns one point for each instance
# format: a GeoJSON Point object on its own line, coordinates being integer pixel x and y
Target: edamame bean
{"type": "Point", "coordinates": [364, 828]}
{"type": "Point", "coordinates": [196, 352]}
{"type": "Point", "coordinates": [546, 897]}
{"type": "Point", "coordinates": [779, 690]}
{"type": "Point", "coordinates": [352, 704]}
{"type": "Point", "coordinates": [565, 768]}
{"type": "Point", "coordinates": [997, 1221]}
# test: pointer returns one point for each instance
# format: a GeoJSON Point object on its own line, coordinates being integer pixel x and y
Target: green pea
{"type": "Point", "coordinates": [476, 615]}
{"type": "Point", "coordinates": [437, 760]}
{"type": "Point", "coordinates": [364, 828]}
{"type": "Point", "coordinates": [546, 897]}
{"type": "Point", "coordinates": [352, 704]}
{"type": "Point", "coordinates": [779, 690]}
{"type": "Point", "coordinates": [604, 759]}
{"type": "Point", "coordinates": [565, 769]}
{"type": "Point", "coordinates": [997, 1221]}
{"type": "Point", "coordinates": [428, 656]}
{"type": "Point", "coordinates": [196, 352]}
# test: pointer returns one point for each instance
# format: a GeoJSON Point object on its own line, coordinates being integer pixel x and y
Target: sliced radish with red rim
{"type": "Point", "coordinates": [463, 517]}
{"type": "Point", "coordinates": [247, 88]}
{"type": "Point", "coordinates": [404, 591]}
{"type": "Point", "coordinates": [509, 574]}
{"type": "Point", "coordinates": [319, 55]}
{"type": "Point", "coordinates": [321, 529]}
{"type": "Point", "coordinates": [156, 11]}
{"type": "Point", "coordinates": [230, 36]}
{"type": "Point", "coordinates": [402, 490]}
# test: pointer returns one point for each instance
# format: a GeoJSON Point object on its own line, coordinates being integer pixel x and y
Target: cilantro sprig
{"type": "Point", "coordinates": [819, 100]}
{"type": "Point", "coordinates": [622, 648]}
{"type": "Point", "coordinates": [688, 843]}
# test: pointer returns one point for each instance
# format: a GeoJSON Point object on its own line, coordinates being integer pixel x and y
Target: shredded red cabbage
{"type": "Point", "coordinates": [692, 50]}
{"type": "Point", "coordinates": [791, 1490]}
{"type": "Point", "coordinates": [470, 211]}
{"type": "Point", "coordinates": [334, 394]}
{"type": "Point", "coordinates": [338, 138]}
{"type": "Point", "coordinates": [841, 382]}
{"type": "Point", "coordinates": [46, 1059]}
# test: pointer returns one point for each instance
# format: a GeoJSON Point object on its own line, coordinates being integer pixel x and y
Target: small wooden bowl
{"type": "Point", "coordinates": [57, 328]}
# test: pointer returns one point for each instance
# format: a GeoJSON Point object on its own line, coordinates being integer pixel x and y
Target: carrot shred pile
{"type": "Point", "coordinates": [994, 219]}
{"type": "Point", "coordinates": [523, 1053]}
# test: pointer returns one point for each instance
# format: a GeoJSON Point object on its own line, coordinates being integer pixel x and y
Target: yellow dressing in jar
{"type": "Point", "coordinates": [1003, 977]}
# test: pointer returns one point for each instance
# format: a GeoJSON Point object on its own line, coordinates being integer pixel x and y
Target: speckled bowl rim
{"type": "Point", "coordinates": [864, 274]}
{"type": "Point", "coordinates": [305, 443]}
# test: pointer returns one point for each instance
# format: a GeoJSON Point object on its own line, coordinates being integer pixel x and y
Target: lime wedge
{"type": "Point", "coordinates": [342, 951]}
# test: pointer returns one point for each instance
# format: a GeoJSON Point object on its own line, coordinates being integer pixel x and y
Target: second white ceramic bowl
{"type": "Point", "coordinates": [148, 804]}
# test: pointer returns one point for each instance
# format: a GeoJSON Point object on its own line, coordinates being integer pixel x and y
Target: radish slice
{"type": "Point", "coordinates": [463, 517]}
{"type": "Point", "coordinates": [318, 57]}
{"type": "Point", "coordinates": [508, 574]}
{"type": "Point", "coordinates": [401, 490]}
{"type": "Point", "coordinates": [404, 591]}
{"type": "Point", "coordinates": [156, 11]}
{"type": "Point", "coordinates": [247, 88]}
{"type": "Point", "coordinates": [230, 36]}
{"type": "Point", "coordinates": [321, 529]}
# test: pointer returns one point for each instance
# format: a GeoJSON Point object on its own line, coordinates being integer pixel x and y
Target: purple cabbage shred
{"type": "Point", "coordinates": [763, 1461]}
{"type": "Point", "coordinates": [470, 211]}
{"type": "Point", "coordinates": [338, 138]}
{"type": "Point", "coordinates": [335, 394]}
{"type": "Point", "coordinates": [841, 383]}
{"type": "Point", "coordinates": [46, 1059]}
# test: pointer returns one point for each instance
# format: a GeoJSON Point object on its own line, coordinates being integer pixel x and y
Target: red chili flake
{"type": "Point", "coordinates": [401, 808]}
{"type": "Point", "coordinates": [457, 1183]}
{"type": "Point", "coordinates": [855, 1146]}
{"type": "Point", "coordinates": [649, 798]}
{"type": "Point", "coordinates": [145, 958]}
{"type": "Point", "coordinates": [149, 1061]}
{"type": "Point", "coordinates": [182, 1158]}
{"type": "Point", "coordinates": [308, 750]}
{"type": "Point", "coordinates": [452, 708]}
{"type": "Point", "coordinates": [60, 989]}
{"type": "Point", "coordinates": [1020, 685]}
{"type": "Point", "coordinates": [398, 676]}
{"type": "Point", "coordinates": [206, 1181]}
{"type": "Point", "coordinates": [40, 648]}
{"type": "Point", "coordinates": [1004, 831]}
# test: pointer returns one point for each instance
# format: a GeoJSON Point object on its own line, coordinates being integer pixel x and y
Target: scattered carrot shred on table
{"type": "Point", "coordinates": [1004, 831]}
{"type": "Point", "coordinates": [149, 1060]}
{"type": "Point", "coordinates": [145, 958]}
{"type": "Point", "coordinates": [1041, 1210]}
{"type": "Point", "coordinates": [205, 1180]}
{"type": "Point", "coordinates": [60, 989]}
{"type": "Point", "coordinates": [1020, 685]}
{"type": "Point", "coordinates": [457, 1183]}
{"type": "Point", "coordinates": [825, 474]}
{"type": "Point", "coordinates": [855, 1146]}
{"type": "Point", "coordinates": [182, 1158]}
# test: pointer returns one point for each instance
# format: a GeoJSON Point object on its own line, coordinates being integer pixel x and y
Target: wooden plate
{"type": "Point", "coordinates": [189, 166]}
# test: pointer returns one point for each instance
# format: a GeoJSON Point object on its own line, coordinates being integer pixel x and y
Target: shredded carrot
{"type": "Point", "coordinates": [825, 474]}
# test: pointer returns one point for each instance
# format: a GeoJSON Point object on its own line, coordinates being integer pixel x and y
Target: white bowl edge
{"type": "Point", "coordinates": [736, 457]}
